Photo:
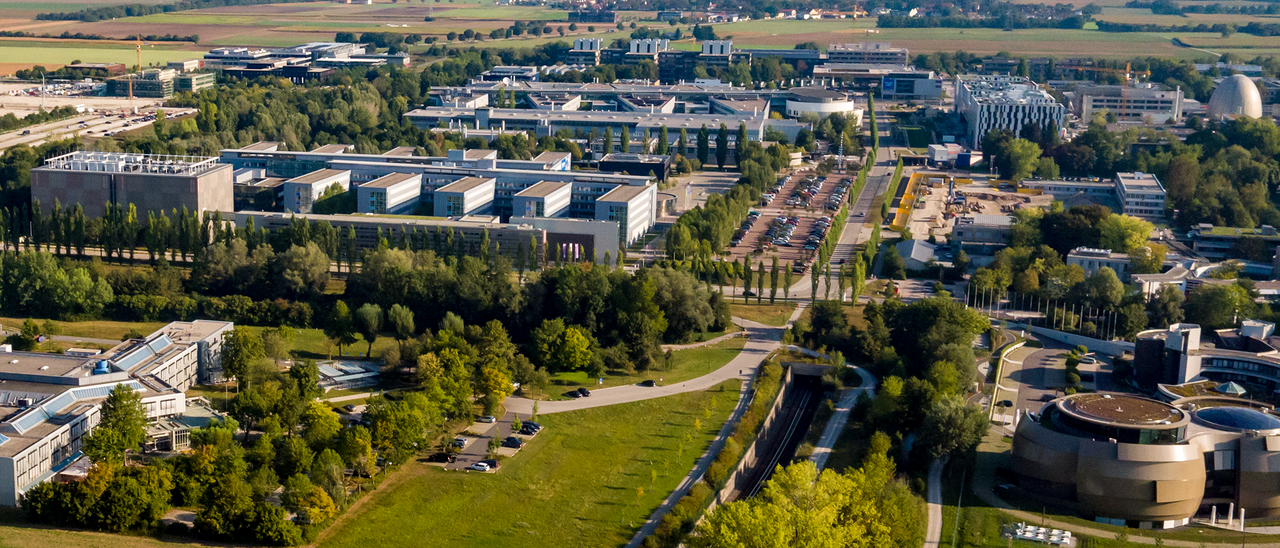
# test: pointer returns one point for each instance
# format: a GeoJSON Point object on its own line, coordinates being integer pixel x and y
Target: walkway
{"type": "Point", "coordinates": [933, 534]}
{"type": "Point", "coordinates": [835, 425]}
{"type": "Point", "coordinates": [707, 342]}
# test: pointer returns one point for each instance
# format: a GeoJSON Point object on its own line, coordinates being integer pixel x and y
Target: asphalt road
{"type": "Point", "coordinates": [92, 125]}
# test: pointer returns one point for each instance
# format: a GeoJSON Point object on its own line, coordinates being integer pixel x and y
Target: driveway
{"type": "Point", "coordinates": [477, 448]}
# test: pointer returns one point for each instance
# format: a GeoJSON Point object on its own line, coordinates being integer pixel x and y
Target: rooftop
{"type": "Point", "coordinates": [542, 189]}
{"type": "Point", "coordinates": [1266, 232]}
{"type": "Point", "coordinates": [400, 151]}
{"type": "Point", "coordinates": [262, 146]}
{"type": "Point", "coordinates": [332, 149]}
{"type": "Point", "coordinates": [1139, 181]}
{"type": "Point", "coordinates": [623, 193]}
{"type": "Point", "coordinates": [632, 157]}
{"type": "Point", "coordinates": [128, 162]}
{"type": "Point", "coordinates": [390, 180]}
{"type": "Point", "coordinates": [551, 157]}
{"type": "Point", "coordinates": [674, 121]}
{"type": "Point", "coordinates": [318, 176]}
{"type": "Point", "coordinates": [818, 93]}
{"type": "Point", "coordinates": [1004, 90]}
{"type": "Point", "coordinates": [465, 184]}
{"type": "Point", "coordinates": [1121, 410]}
{"type": "Point", "coordinates": [986, 219]}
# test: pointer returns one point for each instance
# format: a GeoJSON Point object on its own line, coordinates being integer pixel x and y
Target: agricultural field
{"type": "Point", "coordinates": [53, 54]}
{"type": "Point", "coordinates": [591, 478]}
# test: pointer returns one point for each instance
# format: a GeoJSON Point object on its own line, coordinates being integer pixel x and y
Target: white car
{"type": "Point", "coordinates": [480, 467]}
{"type": "Point", "coordinates": [487, 418]}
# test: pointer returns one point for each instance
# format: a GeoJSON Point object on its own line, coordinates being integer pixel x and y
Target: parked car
{"type": "Point", "coordinates": [493, 463]}
{"type": "Point", "coordinates": [513, 442]}
{"type": "Point", "coordinates": [584, 392]}
{"type": "Point", "coordinates": [534, 425]}
{"type": "Point", "coordinates": [480, 467]}
{"type": "Point", "coordinates": [648, 382]}
{"type": "Point", "coordinates": [351, 408]}
{"type": "Point", "coordinates": [460, 441]}
{"type": "Point", "coordinates": [487, 418]}
{"type": "Point", "coordinates": [527, 431]}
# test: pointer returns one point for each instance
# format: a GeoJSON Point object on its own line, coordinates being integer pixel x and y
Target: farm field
{"type": "Point", "coordinates": [1145, 17]}
{"type": "Point", "coordinates": [54, 54]}
{"type": "Point", "coordinates": [591, 478]}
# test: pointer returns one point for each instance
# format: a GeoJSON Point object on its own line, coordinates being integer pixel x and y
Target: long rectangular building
{"type": "Point", "coordinates": [637, 123]}
{"type": "Point", "coordinates": [49, 402]}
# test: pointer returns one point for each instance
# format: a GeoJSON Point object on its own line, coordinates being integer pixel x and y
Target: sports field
{"type": "Point", "coordinates": [590, 479]}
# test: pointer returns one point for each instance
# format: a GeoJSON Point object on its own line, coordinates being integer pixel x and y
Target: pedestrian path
{"type": "Point", "coordinates": [933, 533]}
{"type": "Point", "coordinates": [708, 342]}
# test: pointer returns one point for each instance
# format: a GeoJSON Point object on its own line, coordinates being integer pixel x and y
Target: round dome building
{"type": "Point", "coordinates": [1236, 95]}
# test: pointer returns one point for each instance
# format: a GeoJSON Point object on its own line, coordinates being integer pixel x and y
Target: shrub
{"type": "Point", "coordinates": [1073, 378]}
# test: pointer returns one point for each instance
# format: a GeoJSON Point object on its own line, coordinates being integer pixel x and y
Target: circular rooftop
{"type": "Point", "coordinates": [817, 94]}
{"type": "Point", "coordinates": [1236, 95]}
{"type": "Point", "coordinates": [1237, 418]}
{"type": "Point", "coordinates": [1122, 410]}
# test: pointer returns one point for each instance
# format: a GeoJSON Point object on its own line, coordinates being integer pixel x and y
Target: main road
{"type": "Point", "coordinates": [92, 125]}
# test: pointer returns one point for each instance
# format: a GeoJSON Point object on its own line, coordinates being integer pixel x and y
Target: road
{"type": "Point", "coordinates": [86, 125]}
{"type": "Point", "coordinates": [933, 533]}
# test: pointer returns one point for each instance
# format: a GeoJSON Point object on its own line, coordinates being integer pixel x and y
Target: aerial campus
{"type": "Point", "coordinates": [647, 274]}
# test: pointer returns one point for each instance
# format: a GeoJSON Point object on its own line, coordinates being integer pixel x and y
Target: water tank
{"type": "Point", "coordinates": [102, 368]}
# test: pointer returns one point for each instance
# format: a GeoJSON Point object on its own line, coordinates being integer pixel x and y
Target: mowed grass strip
{"type": "Point", "coordinates": [768, 314]}
{"type": "Point", "coordinates": [685, 365]}
{"type": "Point", "coordinates": [590, 479]}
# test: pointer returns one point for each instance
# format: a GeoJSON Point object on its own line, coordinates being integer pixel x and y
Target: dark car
{"type": "Point", "coordinates": [749, 293]}
{"type": "Point", "coordinates": [350, 408]}
{"type": "Point", "coordinates": [443, 457]}
{"type": "Point", "coordinates": [513, 442]}
{"type": "Point", "coordinates": [574, 394]}
{"type": "Point", "coordinates": [648, 382]}
{"type": "Point", "coordinates": [584, 392]}
{"type": "Point", "coordinates": [531, 424]}
{"type": "Point", "coordinates": [527, 431]}
{"type": "Point", "coordinates": [492, 463]}
{"type": "Point", "coordinates": [1004, 403]}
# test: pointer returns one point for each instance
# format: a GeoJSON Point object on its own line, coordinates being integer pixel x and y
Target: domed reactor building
{"type": "Point", "coordinates": [1128, 460]}
{"type": "Point", "coordinates": [1235, 96]}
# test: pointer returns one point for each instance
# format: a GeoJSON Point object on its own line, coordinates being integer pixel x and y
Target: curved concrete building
{"type": "Point", "coordinates": [1128, 460]}
{"type": "Point", "coordinates": [1236, 95]}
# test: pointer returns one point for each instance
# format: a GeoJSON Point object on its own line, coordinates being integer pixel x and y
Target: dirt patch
{"type": "Point", "coordinates": [8, 69]}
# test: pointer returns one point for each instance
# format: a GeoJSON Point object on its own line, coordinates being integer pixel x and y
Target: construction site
{"type": "Point", "coordinates": [930, 202]}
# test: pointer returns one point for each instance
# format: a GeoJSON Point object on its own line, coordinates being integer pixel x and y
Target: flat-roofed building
{"type": "Point", "coordinates": [822, 102]}
{"type": "Point", "coordinates": [1092, 260]}
{"type": "Point", "coordinates": [653, 165]}
{"type": "Point", "coordinates": [1064, 189]}
{"type": "Point", "coordinates": [422, 233]}
{"type": "Point", "coordinates": [301, 193]}
{"type": "Point", "coordinates": [49, 402]}
{"type": "Point", "coordinates": [393, 193]}
{"type": "Point", "coordinates": [153, 183]}
{"type": "Point", "coordinates": [586, 51]}
{"type": "Point", "coordinates": [637, 123]}
{"type": "Point", "coordinates": [1004, 102]}
{"type": "Point", "coordinates": [336, 148]}
{"type": "Point", "coordinates": [982, 234]}
{"type": "Point", "coordinates": [632, 207]}
{"type": "Point", "coordinates": [1142, 103]}
{"type": "Point", "coordinates": [577, 239]}
{"type": "Point", "coordinates": [259, 194]}
{"type": "Point", "coordinates": [1222, 242]}
{"type": "Point", "coordinates": [466, 196]}
{"type": "Point", "coordinates": [879, 53]}
{"type": "Point", "coordinates": [545, 199]}
{"type": "Point", "coordinates": [1141, 195]}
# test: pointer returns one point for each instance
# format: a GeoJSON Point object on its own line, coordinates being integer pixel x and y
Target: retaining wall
{"type": "Point", "coordinates": [749, 458]}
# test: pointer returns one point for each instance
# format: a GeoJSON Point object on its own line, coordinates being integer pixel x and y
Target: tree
{"type": "Point", "coordinates": [400, 320]}
{"type": "Point", "coordinates": [573, 353]}
{"type": "Point", "coordinates": [1024, 159]}
{"type": "Point", "coordinates": [1103, 289]}
{"type": "Point", "coordinates": [722, 146]}
{"type": "Point", "coordinates": [341, 326]}
{"type": "Point", "coordinates": [1165, 307]}
{"type": "Point", "coordinates": [892, 266]}
{"type": "Point", "coordinates": [1219, 306]}
{"type": "Point", "coordinates": [624, 140]}
{"type": "Point", "coordinates": [369, 323]}
{"type": "Point", "coordinates": [241, 350]}
{"type": "Point", "coordinates": [277, 342]}
{"type": "Point", "coordinates": [773, 280]}
{"type": "Point", "coordinates": [319, 425]}
{"type": "Point", "coordinates": [1133, 318]}
{"type": "Point", "coordinates": [952, 427]}
{"type": "Point", "coordinates": [607, 144]}
{"type": "Point", "coordinates": [1148, 259]}
{"type": "Point", "coordinates": [1123, 233]}
{"type": "Point", "coordinates": [682, 142]}
{"type": "Point", "coordinates": [662, 141]}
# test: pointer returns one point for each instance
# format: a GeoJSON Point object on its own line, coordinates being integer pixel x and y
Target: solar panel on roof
{"type": "Point", "coordinates": [330, 371]}
{"type": "Point", "coordinates": [159, 343]}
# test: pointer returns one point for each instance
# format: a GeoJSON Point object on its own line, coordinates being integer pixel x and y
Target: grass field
{"type": "Point", "coordinates": [686, 364]}
{"type": "Point", "coordinates": [53, 53]}
{"type": "Point", "coordinates": [26, 537]}
{"type": "Point", "coordinates": [590, 479]}
{"type": "Point", "coordinates": [768, 314]}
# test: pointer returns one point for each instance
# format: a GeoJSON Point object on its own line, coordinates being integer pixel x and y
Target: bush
{"type": "Point", "coordinates": [1069, 390]}
{"type": "Point", "coordinates": [1073, 378]}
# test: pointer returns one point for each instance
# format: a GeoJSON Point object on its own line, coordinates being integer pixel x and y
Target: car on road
{"type": "Point", "coordinates": [513, 442]}
{"type": "Point", "coordinates": [573, 394]}
{"type": "Point", "coordinates": [26, 132]}
{"type": "Point", "coordinates": [649, 383]}
{"type": "Point", "coordinates": [460, 441]}
{"type": "Point", "coordinates": [1089, 360]}
{"type": "Point", "coordinates": [479, 467]}
{"type": "Point", "coordinates": [749, 293]}
{"type": "Point", "coordinates": [487, 418]}
{"type": "Point", "coordinates": [584, 392]}
{"type": "Point", "coordinates": [351, 408]}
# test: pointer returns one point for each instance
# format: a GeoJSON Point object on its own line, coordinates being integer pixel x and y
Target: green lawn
{"type": "Point", "coordinates": [686, 364]}
{"type": "Point", "coordinates": [100, 329]}
{"type": "Point", "coordinates": [768, 314]}
{"type": "Point", "coordinates": [590, 479]}
{"type": "Point", "coordinates": [53, 53]}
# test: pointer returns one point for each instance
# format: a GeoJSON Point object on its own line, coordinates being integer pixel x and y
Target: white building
{"type": "Point", "coordinates": [717, 47]}
{"type": "Point", "coordinates": [1099, 190]}
{"type": "Point", "coordinates": [300, 193]}
{"type": "Point", "coordinates": [634, 208]}
{"type": "Point", "coordinates": [822, 102]}
{"type": "Point", "coordinates": [1140, 195]}
{"type": "Point", "coordinates": [1141, 103]}
{"type": "Point", "coordinates": [867, 53]}
{"type": "Point", "coordinates": [1092, 260]}
{"type": "Point", "coordinates": [466, 196]}
{"type": "Point", "coordinates": [1004, 102]}
{"type": "Point", "coordinates": [51, 401]}
{"type": "Point", "coordinates": [392, 193]}
{"type": "Point", "coordinates": [545, 199]}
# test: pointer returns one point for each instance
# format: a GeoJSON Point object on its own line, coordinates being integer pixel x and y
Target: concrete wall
{"type": "Point", "coordinates": [1114, 348]}
{"type": "Point", "coordinates": [749, 458]}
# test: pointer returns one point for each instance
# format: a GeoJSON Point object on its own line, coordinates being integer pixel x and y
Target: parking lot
{"type": "Point", "coordinates": [792, 224]}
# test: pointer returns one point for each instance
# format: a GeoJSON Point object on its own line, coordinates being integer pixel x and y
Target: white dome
{"type": "Point", "coordinates": [1236, 95]}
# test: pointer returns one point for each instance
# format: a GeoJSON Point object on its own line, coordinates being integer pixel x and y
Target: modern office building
{"type": "Point", "coordinates": [1145, 102]}
{"type": "Point", "coordinates": [576, 239]}
{"type": "Point", "coordinates": [466, 196]}
{"type": "Point", "coordinates": [151, 182]}
{"type": "Point", "coordinates": [586, 51]}
{"type": "Point", "coordinates": [637, 164]}
{"type": "Point", "coordinates": [981, 234]}
{"type": "Point", "coordinates": [911, 85]}
{"type": "Point", "coordinates": [634, 208]}
{"type": "Point", "coordinates": [1127, 460]}
{"type": "Point", "coordinates": [875, 53]}
{"type": "Point", "coordinates": [1140, 195]}
{"type": "Point", "coordinates": [1100, 190]}
{"type": "Point", "coordinates": [301, 192]}
{"type": "Point", "coordinates": [421, 233]}
{"type": "Point", "coordinates": [1092, 260]}
{"type": "Point", "coordinates": [593, 16]}
{"type": "Point", "coordinates": [510, 74]}
{"type": "Point", "coordinates": [545, 199]}
{"type": "Point", "coordinates": [49, 402]}
{"type": "Point", "coordinates": [394, 193]}
{"type": "Point", "coordinates": [1224, 242]}
{"type": "Point", "coordinates": [194, 82]}
{"type": "Point", "coordinates": [1248, 355]}
{"type": "Point", "coordinates": [1004, 102]}
{"type": "Point", "coordinates": [637, 123]}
